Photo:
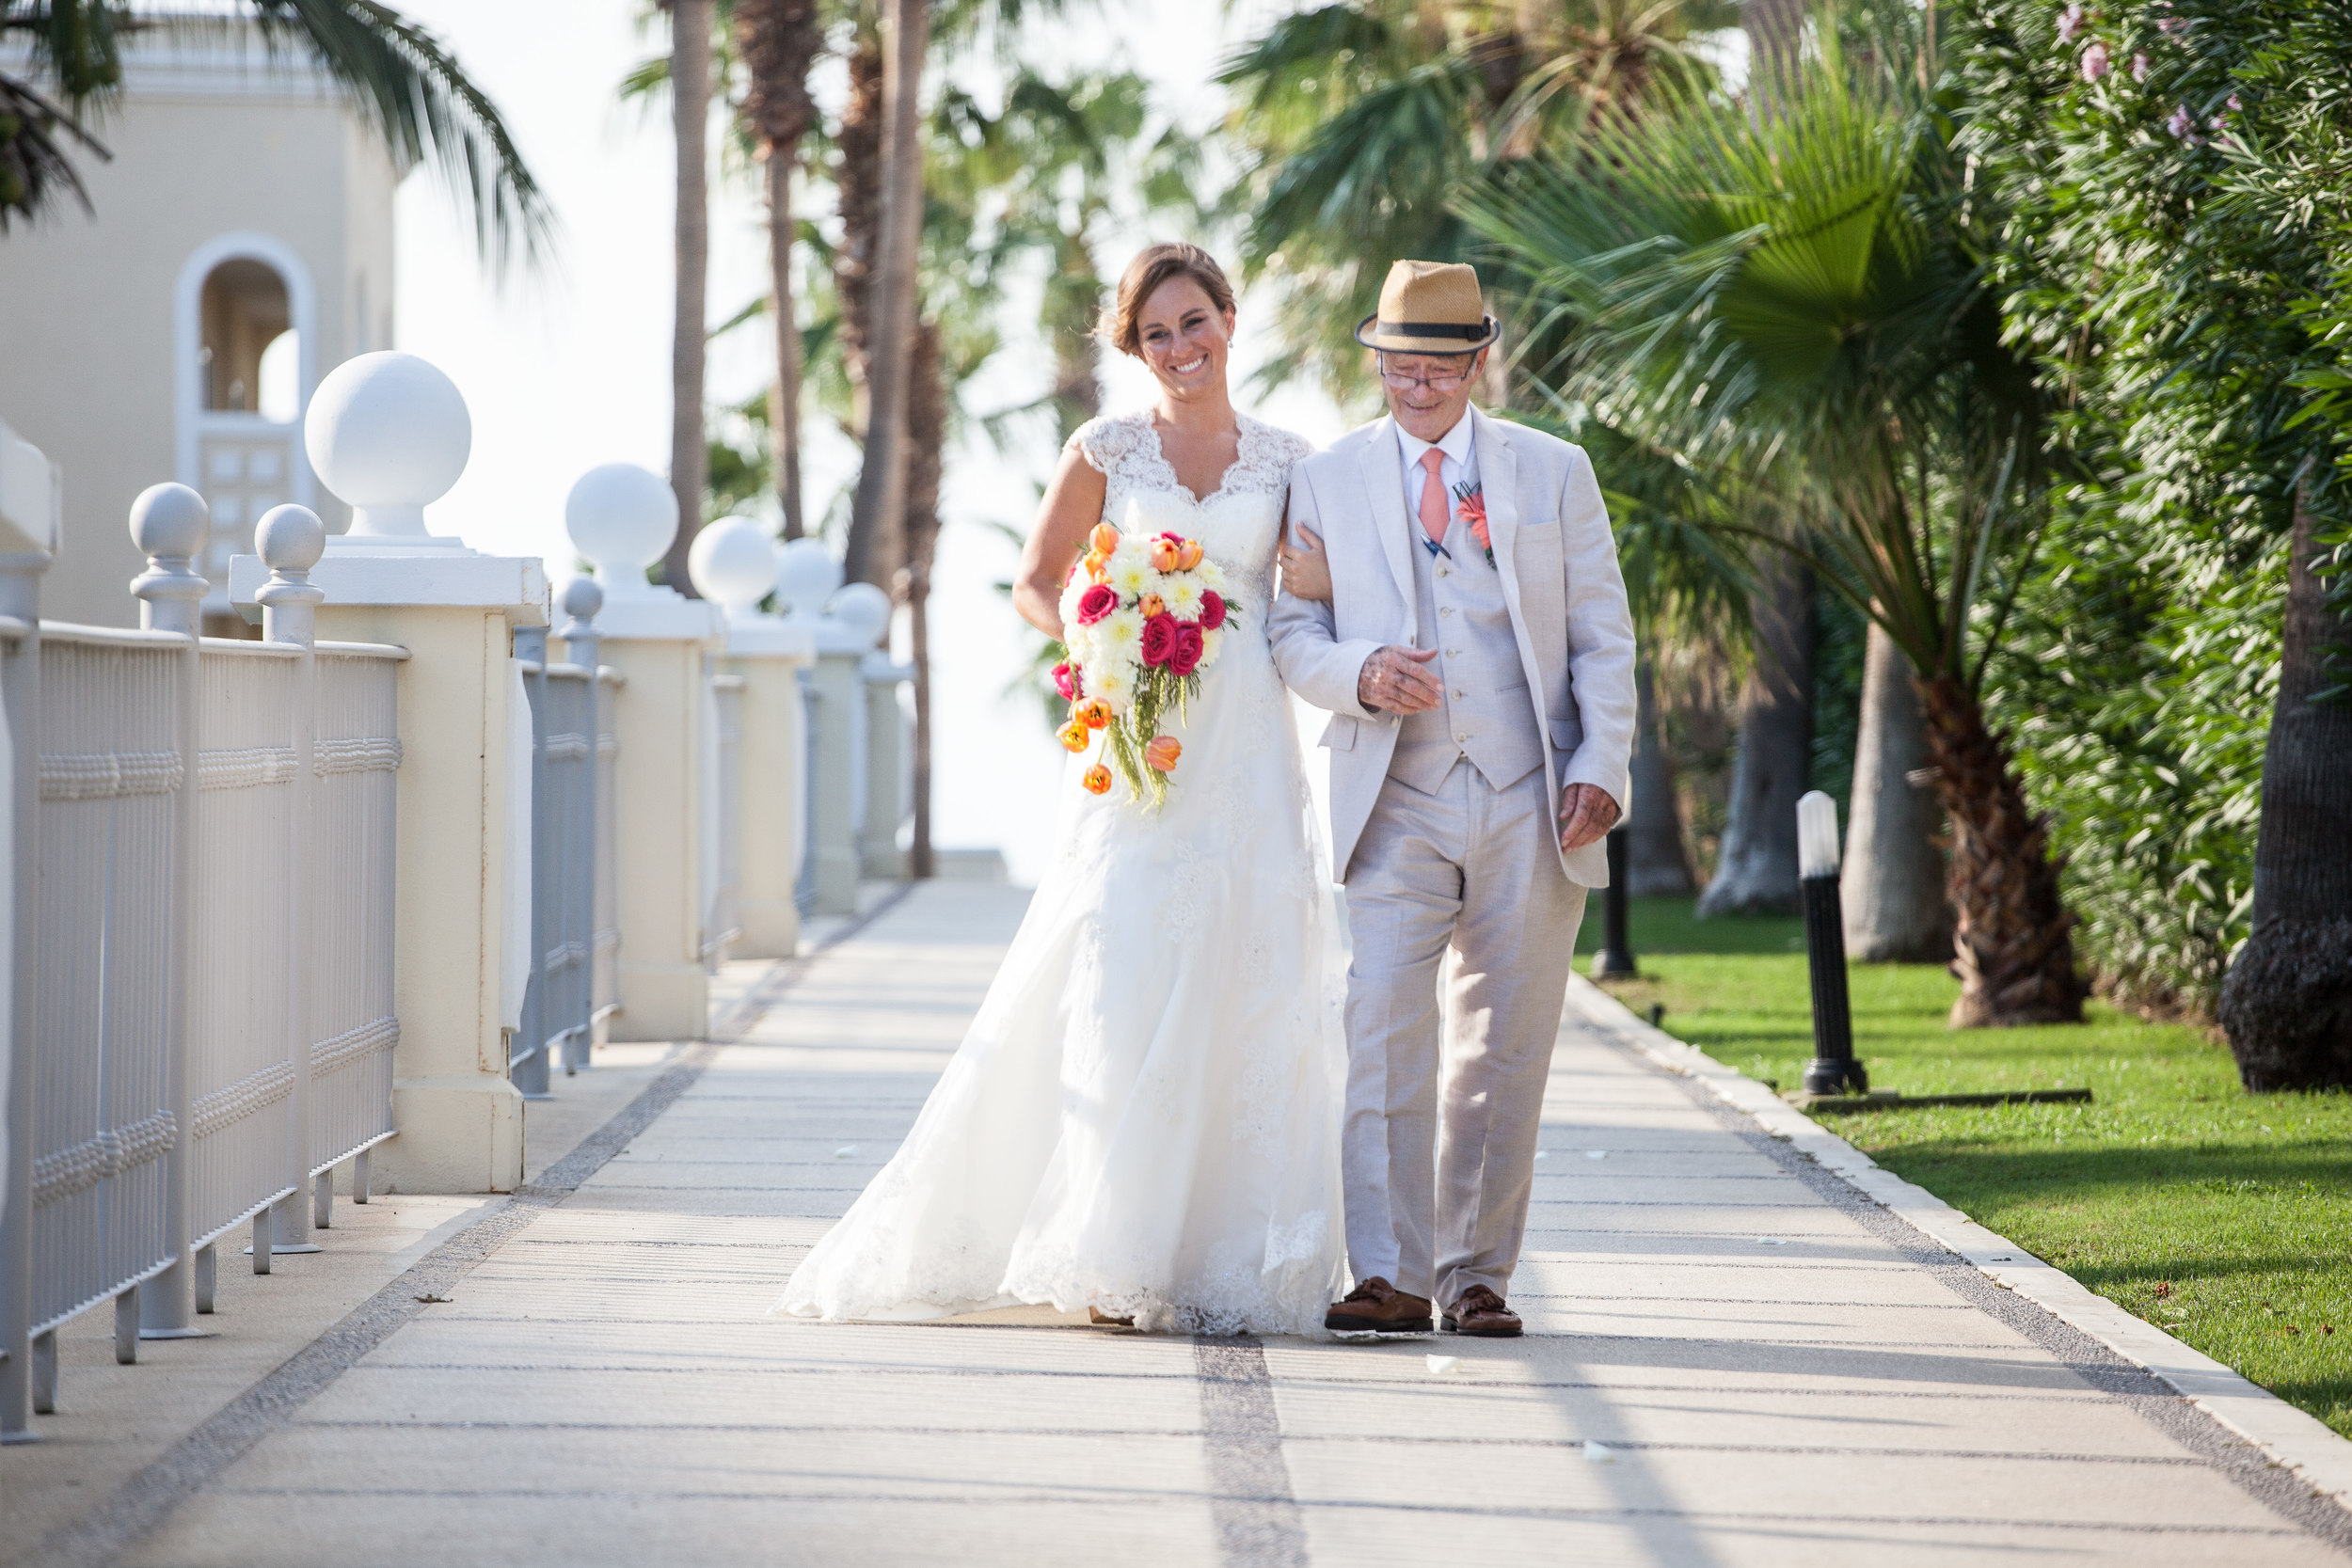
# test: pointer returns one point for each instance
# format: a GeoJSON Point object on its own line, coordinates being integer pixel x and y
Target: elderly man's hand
{"type": "Point", "coordinates": [1393, 681]}
{"type": "Point", "coordinates": [1586, 814]}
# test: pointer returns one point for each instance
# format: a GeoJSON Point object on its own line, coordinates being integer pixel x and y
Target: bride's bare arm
{"type": "Point", "coordinates": [1072, 507]}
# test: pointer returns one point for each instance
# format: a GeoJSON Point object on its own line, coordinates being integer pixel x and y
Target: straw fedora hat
{"type": "Point", "coordinates": [1429, 307]}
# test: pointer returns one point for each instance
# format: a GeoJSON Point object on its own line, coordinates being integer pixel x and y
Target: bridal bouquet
{"type": "Point", "coordinates": [1144, 616]}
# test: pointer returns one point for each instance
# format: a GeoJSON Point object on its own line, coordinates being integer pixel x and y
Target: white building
{"type": "Point", "coordinates": [241, 247]}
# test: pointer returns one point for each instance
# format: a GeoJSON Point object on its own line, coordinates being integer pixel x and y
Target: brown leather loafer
{"type": "Point", "coordinates": [1481, 1312]}
{"type": "Point", "coordinates": [1377, 1309]}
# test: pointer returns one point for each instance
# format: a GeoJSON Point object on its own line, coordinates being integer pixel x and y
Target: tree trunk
{"type": "Point", "coordinates": [858, 198]}
{"type": "Point", "coordinates": [784, 399]}
{"type": "Point", "coordinates": [2013, 941]}
{"type": "Point", "coordinates": [778, 41]}
{"type": "Point", "coordinates": [878, 523]}
{"type": "Point", "coordinates": [2286, 1002]}
{"type": "Point", "coordinates": [690, 456]}
{"type": "Point", "coordinates": [926, 440]}
{"type": "Point", "coordinates": [1658, 862]}
{"type": "Point", "coordinates": [1892, 887]}
{"type": "Point", "coordinates": [1755, 871]}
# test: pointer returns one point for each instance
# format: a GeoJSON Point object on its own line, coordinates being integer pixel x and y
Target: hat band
{"type": "Point", "coordinates": [1430, 329]}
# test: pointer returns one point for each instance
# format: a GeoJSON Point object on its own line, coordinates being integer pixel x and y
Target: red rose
{"type": "Point", "coordinates": [1160, 638]}
{"type": "Point", "coordinates": [1190, 642]}
{"type": "Point", "coordinates": [1097, 602]}
{"type": "Point", "coordinates": [1069, 683]}
{"type": "Point", "coordinates": [1212, 610]}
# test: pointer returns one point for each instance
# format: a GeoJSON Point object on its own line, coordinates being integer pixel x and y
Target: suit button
{"type": "Point", "coordinates": [1446, 609]}
{"type": "Point", "coordinates": [1460, 739]}
{"type": "Point", "coordinates": [1460, 696]}
{"type": "Point", "coordinates": [1454, 652]}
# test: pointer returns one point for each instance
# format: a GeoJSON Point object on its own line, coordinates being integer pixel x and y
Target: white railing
{"type": "Point", "coordinates": [209, 973]}
{"type": "Point", "coordinates": [723, 822]}
{"type": "Point", "coordinates": [604, 945]}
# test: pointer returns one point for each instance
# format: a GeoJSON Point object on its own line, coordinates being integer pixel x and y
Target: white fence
{"type": "Point", "coordinates": [201, 940]}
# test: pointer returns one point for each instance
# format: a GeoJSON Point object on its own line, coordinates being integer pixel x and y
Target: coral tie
{"type": "Point", "coordinates": [1433, 507]}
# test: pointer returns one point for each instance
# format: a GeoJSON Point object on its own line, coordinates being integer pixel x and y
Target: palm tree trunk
{"type": "Point", "coordinates": [2286, 1002]}
{"type": "Point", "coordinates": [1892, 887]}
{"type": "Point", "coordinates": [927, 439]}
{"type": "Point", "coordinates": [690, 456]}
{"type": "Point", "coordinates": [1658, 862]}
{"type": "Point", "coordinates": [858, 199]}
{"type": "Point", "coordinates": [777, 41]}
{"type": "Point", "coordinates": [878, 525]}
{"type": "Point", "coordinates": [2014, 950]}
{"type": "Point", "coordinates": [784, 399]}
{"type": "Point", "coordinates": [1756, 872]}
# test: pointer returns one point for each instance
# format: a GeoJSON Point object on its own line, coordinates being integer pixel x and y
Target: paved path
{"type": "Point", "coordinates": [1731, 1360]}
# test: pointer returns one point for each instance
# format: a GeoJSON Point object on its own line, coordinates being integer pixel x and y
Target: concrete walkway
{"type": "Point", "coordinates": [1732, 1358]}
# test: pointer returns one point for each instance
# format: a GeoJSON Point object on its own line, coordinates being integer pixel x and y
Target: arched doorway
{"type": "Point", "coordinates": [247, 328]}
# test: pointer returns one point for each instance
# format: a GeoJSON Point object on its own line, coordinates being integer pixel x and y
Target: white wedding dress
{"type": "Point", "coordinates": [1144, 1117]}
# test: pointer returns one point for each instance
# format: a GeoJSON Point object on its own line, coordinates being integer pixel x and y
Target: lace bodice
{"type": "Point", "coordinates": [1125, 449]}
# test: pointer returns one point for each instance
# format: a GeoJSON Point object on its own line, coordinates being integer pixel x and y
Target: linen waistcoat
{"type": "Point", "coordinates": [1485, 714]}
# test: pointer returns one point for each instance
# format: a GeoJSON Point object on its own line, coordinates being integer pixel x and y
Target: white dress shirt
{"type": "Point", "coordinates": [1459, 467]}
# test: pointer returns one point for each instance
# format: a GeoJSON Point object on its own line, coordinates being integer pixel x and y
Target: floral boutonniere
{"type": "Point", "coordinates": [1470, 506]}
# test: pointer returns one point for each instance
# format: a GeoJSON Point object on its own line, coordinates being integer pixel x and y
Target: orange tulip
{"type": "Point", "coordinates": [1075, 735]}
{"type": "Point", "coordinates": [1161, 752]}
{"type": "Point", "coordinates": [1104, 539]}
{"type": "Point", "coordinates": [1098, 779]}
{"type": "Point", "coordinates": [1189, 556]}
{"type": "Point", "coordinates": [1163, 556]}
{"type": "Point", "coordinates": [1150, 605]}
{"type": "Point", "coordinates": [1096, 562]}
{"type": "Point", "coordinates": [1094, 712]}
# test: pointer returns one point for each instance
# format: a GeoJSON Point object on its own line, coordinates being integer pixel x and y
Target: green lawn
{"type": "Point", "coordinates": [2224, 1216]}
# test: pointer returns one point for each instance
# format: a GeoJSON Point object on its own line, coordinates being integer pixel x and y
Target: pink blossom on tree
{"type": "Point", "coordinates": [2095, 61]}
{"type": "Point", "coordinates": [2069, 23]}
{"type": "Point", "coordinates": [2139, 65]}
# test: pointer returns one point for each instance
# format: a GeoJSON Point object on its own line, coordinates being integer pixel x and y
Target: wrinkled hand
{"type": "Point", "coordinates": [1305, 570]}
{"type": "Point", "coordinates": [1586, 814]}
{"type": "Point", "coordinates": [1393, 681]}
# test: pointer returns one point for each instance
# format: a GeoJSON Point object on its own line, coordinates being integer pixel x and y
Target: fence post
{"type": "Point", "coordinates": [622, 518]}
{"type": "Point", "coordinates": [580, 600]}
{"type": "Point", "coordinates": [734, 565]}
{"type": "Point", "coordinates": [390, 433]}
{"type": "Point", "coordinates": [527, 1057]}
{"type": "Point", "coordinates": [28, 537]}
{"type": "Point", "coordinates": [170, 523]}
{"type": "Point", "coordinates": [290, 540]}
{"type": "Point", "coordinates": [843, 623]}
{"type": "Point", "coordinates": [887, 760]}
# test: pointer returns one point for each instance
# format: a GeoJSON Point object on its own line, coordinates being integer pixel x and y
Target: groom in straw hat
{"type": "Point", "coordinates": [1476, 656]}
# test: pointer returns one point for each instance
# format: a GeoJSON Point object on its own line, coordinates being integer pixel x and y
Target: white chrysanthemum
{"type": "Point", "coordinates": [1079, 641]}
{"type": "Point", "coordinates": [1114, 684]}
{"type": "Point", "coordinates": [1119, 636]}
{"type": "Point", "coordinates": [1184, 597]}
{"type": "Point", "coordinates": [1159, 582]}
{"type": "Point", "coordinates": [1070, 595]}
{"type": "Point", "coordinates": [1129, 574]}
{"type": "Point", "coordinates": [1212, 576]}
{"type": "Point", "coordinates": [1211, 643]}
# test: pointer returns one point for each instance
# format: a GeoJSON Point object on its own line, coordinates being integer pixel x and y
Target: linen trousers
{"type": "Point", "coordinates": [1464, 929]}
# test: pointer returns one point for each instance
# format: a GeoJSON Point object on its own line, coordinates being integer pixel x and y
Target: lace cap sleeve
{"type": "Point", "coordinates": [1104, 442]}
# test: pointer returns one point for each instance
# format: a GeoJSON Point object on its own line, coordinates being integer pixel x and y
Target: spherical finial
{"type": "Point", "coordinates": [622, 518]}
{"type": "Point", "coordinates": [290, 538]}
{"type": "Point", "coordinates": [582, 599]}
{"type": "Point", "coordinates": [806, 577]}
{"type": "Point", "coordinates": [389, 432]}
{"type": "Point", "coordinates": [863, 610]}
{"type": "Point", "coordinates": [733, 564]}
{"type": "Point", "coordinates": [169, 522]}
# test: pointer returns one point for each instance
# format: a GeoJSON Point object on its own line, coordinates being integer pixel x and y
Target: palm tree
{"type": "Point", "coordinates": [778, 40]}
{"type": "Point", "coordinates": [399, 77]}
{"type": "Point", "coordinates": [1366, 121]}
{"type": "Point", "coordinates": [1793, 302]}
{"type": "Point", "coordinates": [690, 25]}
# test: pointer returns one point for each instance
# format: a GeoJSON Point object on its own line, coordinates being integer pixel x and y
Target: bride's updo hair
{"type": "Point", "coordinates": [1152, 266]}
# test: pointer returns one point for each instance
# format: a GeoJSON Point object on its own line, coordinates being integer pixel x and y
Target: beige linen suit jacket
{"type": "Point", "coordinates": [1558, 561]}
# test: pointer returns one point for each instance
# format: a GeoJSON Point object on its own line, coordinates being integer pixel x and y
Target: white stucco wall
{"type": "Point", "coordinates": [209, 139]}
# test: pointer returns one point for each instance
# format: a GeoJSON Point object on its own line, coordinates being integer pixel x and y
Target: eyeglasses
{"type": "Point", "coordinates": [1442, 383]}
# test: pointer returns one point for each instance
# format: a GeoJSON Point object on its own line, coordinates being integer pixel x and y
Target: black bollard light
{"type": "Point", "coordinates": [1614, 962]}
{"type": "Point", "coordinates": [1833, 1070]}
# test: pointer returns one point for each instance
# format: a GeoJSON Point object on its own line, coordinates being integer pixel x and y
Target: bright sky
{"type": "Point", "coordinates": [570, 366]}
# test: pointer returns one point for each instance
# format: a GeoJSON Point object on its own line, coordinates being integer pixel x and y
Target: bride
{"type": "Point", "coordinates": [1144, 1117]}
